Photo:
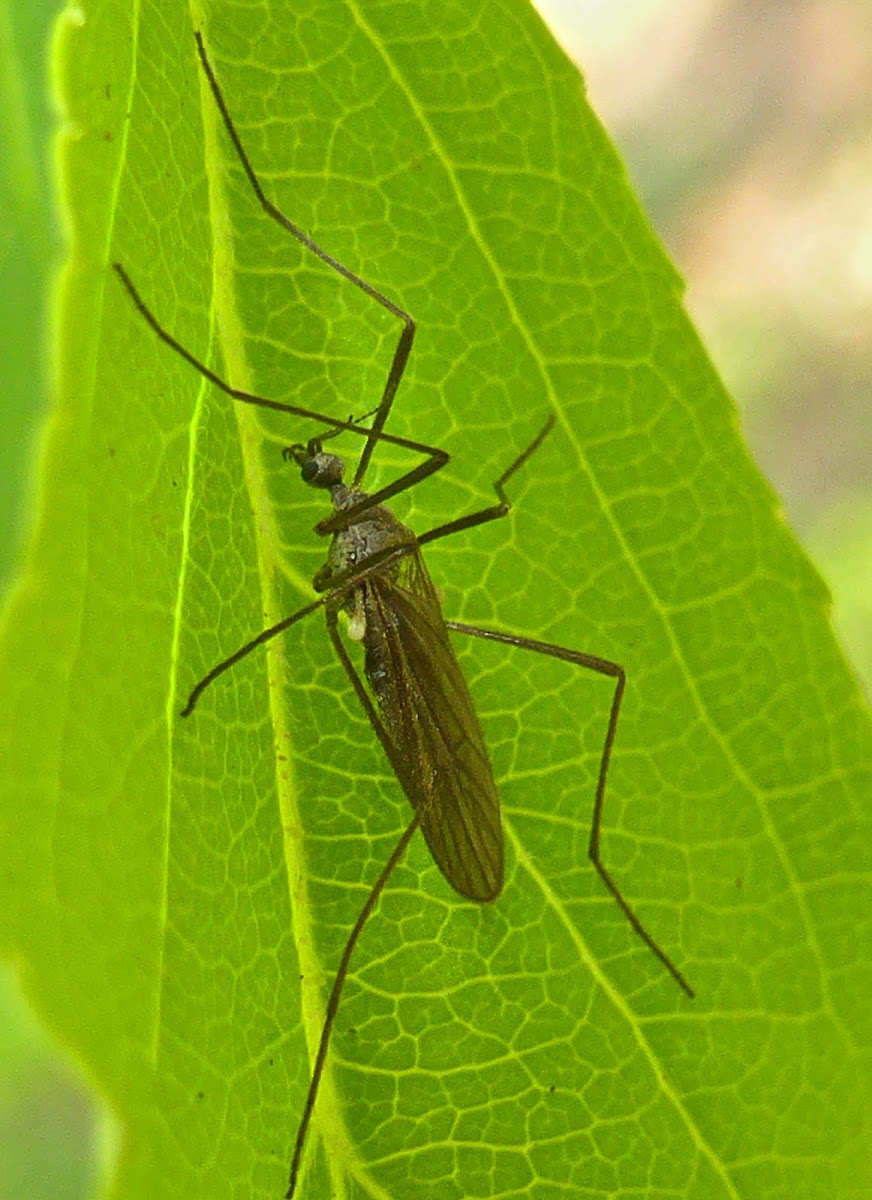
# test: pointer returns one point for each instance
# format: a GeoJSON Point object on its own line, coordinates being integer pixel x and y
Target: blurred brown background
{"type": "Point", "coordinates": [746, 128]}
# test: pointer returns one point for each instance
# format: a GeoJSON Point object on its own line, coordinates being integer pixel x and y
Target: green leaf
{"type": "Point", "coordinates": [28, 252]}
{"type": "Point", "coordinates": [168, 883]}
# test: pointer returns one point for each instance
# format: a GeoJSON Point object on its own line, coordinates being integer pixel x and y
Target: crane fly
{"type": "Point", "coordinates": [415, 696]}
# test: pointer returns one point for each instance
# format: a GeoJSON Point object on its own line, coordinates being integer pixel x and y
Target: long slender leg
{"type": "Point", "coordinates": [339, 585]}
{"type": "Point", "coordinates": [336, 994]}
{"type": "Point", "coordinates": [435, 458]}
{"type": "Point", "coordinates": [266, 636]}
{"type": "Point", "coordinates": [350, 577]}
{"type": "Point", "coordinates": [614, 671]}
{"type": "Point", "coordinates": [407, 335]}
{"type": "Point", "coordinates": [495, 511]}
{"type": "Point", "coordinates": [364, 915]}
{"type": "Point", "coordinates": [365, 700]}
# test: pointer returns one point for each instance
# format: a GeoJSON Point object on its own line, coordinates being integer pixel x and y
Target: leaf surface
{"type": "Point", "coordinates": [169, 883]}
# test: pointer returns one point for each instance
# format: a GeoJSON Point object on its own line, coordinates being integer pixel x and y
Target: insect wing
{"type": "Point", "coordinates": [439, 752]}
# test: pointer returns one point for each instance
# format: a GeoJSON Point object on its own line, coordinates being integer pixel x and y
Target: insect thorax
{"type": "Point", "coordinates": [371, 536]}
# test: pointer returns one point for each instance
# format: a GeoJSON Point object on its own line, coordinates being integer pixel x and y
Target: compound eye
{"type": "Point", "coordinates": [310, 469]}
{"type": "Point", "coordinates": [321, 470]}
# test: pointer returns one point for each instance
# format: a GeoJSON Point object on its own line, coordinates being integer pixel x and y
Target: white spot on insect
{"type": "Point", "coordinates": [357, 627]}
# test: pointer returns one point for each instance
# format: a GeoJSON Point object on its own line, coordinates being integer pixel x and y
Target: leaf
{"type": "Point", "coordinates": [168, 882]}
{"type": "Point", "coordinates": [28, 251]}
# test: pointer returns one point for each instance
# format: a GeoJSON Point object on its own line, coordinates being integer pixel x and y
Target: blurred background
{"type": "Point", "coordinates": [746, 129]}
